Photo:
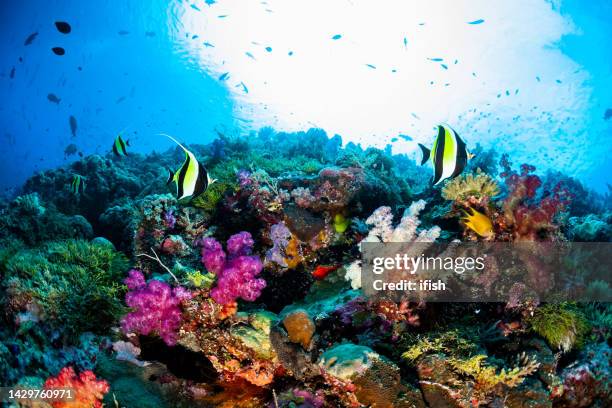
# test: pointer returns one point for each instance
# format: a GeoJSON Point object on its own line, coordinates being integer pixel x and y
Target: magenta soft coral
{"type": "Point", "coordinates": [236, 271]}
{"type": "Point", "coordinates": [530, 221]}
{"type": "Point", "coordinates": [155, 307]}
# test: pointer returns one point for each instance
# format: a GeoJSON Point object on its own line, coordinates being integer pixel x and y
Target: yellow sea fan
{"type": "Point", "coordinates": [478, 185]}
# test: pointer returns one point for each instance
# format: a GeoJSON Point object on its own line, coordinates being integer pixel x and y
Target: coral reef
{"type": "Point", "coordinates": [251, 295]}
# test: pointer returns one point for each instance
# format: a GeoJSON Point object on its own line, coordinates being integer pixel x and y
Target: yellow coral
{"type": "Point", "coordinates": [478, 185]}
{"type": "Point", "coordinates": [486, 377]}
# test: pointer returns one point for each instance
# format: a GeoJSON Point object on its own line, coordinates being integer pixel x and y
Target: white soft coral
{"type": "Point", "coordinates": [383, 231]}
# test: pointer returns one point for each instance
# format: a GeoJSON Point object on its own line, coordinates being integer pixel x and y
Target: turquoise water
{"type": "Point", "coordinates": [532, 78]}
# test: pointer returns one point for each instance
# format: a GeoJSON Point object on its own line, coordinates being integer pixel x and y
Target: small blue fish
{"type": "Point", "coordinates": [479, 21]}
{"type": "Point", "coordinates": [444, 66]}
{"type": "Point", "coordinates": [337, 37]}
{"type": "Point", "coordinates": [248, 54]}
{"type": "Point", "coordinates": [210, 2]}
{"type": "Point", "coordinates": [222, 16]}
{"type": "Point", "coordinates": [371, 66]}
{"type": "Point", "coordinates": [436, 59]}
{"type": "Point", "coordinates": [405, 42]}
{"type": "Point", "coordinates": [414, 115]}
{"type": "Point", "coordinates": [538, 78]}
{"type": "Point", "coordinates": [507, 93]}
{"type": "Point", "coordinates": [558, 81]}
{"type": "Point", "coordinates": [290, 53]}
{"type": "Point", "coordinates": [193, 37]}
{"type": "Point", "coordinates": [244, 87]}
{"type": "Point", "coordinates": [269, 49]}
{"type": "Point", "coordinates": [208, 45]}
{"type": "Point", "coordinates": [193, 6]}
{"type": "Point", "coordinates": [394, 139]}
{"type": "Point", "coordinates": [406, 137]}
{"type": "Point", "coordinates": [224, 76]}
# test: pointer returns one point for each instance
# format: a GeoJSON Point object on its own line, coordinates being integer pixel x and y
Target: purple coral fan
{"type": "Point", "coordinates": [236, 271]}
{"type": "Point", "coordinates": [155, 307]}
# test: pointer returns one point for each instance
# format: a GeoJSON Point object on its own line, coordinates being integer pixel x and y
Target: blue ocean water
{"type": "Point", "coordinates": [532, 78]}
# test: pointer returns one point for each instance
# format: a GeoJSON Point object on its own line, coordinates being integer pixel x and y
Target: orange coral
{"type": "Point", "coordinates": [300, 327]}
{"type": "Point", "coordinates": [293, 253]}
{"type": "Point", "coordinates": [88, 390]}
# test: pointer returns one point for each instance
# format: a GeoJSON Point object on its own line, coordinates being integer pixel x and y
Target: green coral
{"type": "Point", "coordinates": [199, 280]}
{"type": "Point", "coordinates": [478, 185]}
{"type": "Point", "coordinates": [256, 335]}
{"type": "Point", "coordinates": [562, 325]}
{"type": "Point", "coordinates": [210, 198]}
{"type": "Point", "coordinates": [76, 284]}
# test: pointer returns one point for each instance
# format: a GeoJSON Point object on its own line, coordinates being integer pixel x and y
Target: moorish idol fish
{"type": "Point", "coordinates": [78, 184]}
{"type": "Point", "coordinates": [449, 154]}
{"type": "Point", "coordinates": [191, 178]}
{"type": "Point", "coordinates": [119, 147]}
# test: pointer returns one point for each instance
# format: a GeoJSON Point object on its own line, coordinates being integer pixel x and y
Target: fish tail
{"type": "Point", "coordinates": [426, 153]}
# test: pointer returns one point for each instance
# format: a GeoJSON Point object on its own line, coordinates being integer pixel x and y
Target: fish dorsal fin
{"type": "Point", "coordinates": [176, 141]}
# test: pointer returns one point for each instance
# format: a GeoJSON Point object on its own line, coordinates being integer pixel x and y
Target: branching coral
{"type": "Point", "coordinates": [88, 390]}
{"type": "Point", "coordinates": [156, 307]}
{"type": "Point", "coordinates": [487, 378]}
{"type": "Point", "coordinates": [236, 271]}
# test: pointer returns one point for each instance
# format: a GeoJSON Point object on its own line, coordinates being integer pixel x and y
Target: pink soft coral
{"type": "Point", "coordinates": [236, 270]}
{"type": "Point", "coordinates": [155, 307]}
{"type": "Point", "coordinates": [530, 221]}
{"type": "Point", "coordinates": [88, 390]}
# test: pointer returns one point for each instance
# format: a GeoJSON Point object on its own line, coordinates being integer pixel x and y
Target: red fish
{"type": "Point", "coordinates": [322, 271]}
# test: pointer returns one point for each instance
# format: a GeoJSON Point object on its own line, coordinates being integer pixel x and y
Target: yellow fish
{"type": "Point", "coordinates": [479, 223]}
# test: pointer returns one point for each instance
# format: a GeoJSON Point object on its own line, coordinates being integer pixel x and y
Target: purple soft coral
{"type": "Point", "coordinates": [280, 236]}
{"type": "Point", "coordinates": [155, 307]}
{"type": "Point", "coordinates": [169, 218]}
{"type": "Point", "coordinates": [236, 272]}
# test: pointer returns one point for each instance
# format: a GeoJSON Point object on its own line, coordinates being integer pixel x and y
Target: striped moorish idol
{"type": "Point", "coordinates": [449, 154]}
{"type": "Point", "coordinates": [191, 178]}
{"type": "Point", "coordinates": [78, 184]}
{"type": "Point", "coordinates": [119, 147]}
